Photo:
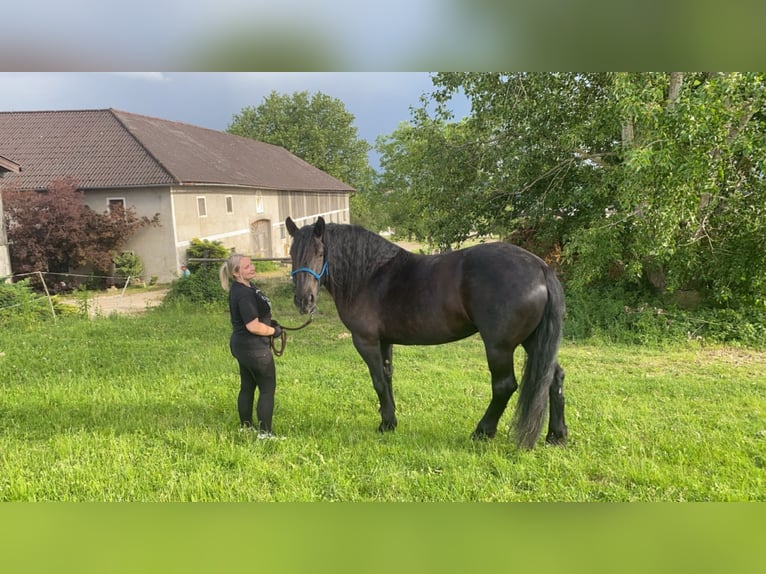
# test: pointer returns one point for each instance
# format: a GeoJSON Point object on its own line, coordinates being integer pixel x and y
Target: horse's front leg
{"type": "Point", "coordinates": [377, 355]}
{"type": "Point", "coordinates": [387, 352]}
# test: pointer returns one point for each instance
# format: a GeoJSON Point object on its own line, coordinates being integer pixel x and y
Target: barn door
{"type": "Point", "coordinates": [260, 232]}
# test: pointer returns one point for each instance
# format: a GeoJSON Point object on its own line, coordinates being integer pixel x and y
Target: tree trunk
{"type": "Point", "coordinates": [627, 133]}
{"type": "Point", "coordinates": [674, 90]}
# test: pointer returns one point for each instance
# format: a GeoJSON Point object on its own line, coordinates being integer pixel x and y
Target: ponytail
{"type": "Point", "coordinates": [229, 267]}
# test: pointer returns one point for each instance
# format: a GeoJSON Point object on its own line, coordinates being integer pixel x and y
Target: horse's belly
{"type": "Point", "coordinates": [423, 326]}
{"type": "Point", "coordinates": [428, 338]}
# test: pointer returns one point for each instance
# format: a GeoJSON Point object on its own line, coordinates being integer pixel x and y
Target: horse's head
{"type": "Point", "coordinates": [308, 259]}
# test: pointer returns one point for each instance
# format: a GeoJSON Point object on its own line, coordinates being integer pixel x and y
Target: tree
{"type": "Point", "coordinates": [317, 128]}
{"type": "Point", "coordinates": [689, 210]}
{"type": "Point", "coordinates": [53, 230]}
{"type": "Point", "coordinates": [431, 175]}
{"type": "Point", "coordinates": [518, 163]}
{"type": "Point", "coordinates": [648, 179]}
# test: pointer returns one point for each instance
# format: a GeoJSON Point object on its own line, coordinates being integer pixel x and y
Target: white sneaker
{"type": "Point", "coordinates": [263, 435]}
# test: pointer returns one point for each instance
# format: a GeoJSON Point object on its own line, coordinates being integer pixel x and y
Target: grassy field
{"type": "Point", "coordinates": [143, 409]}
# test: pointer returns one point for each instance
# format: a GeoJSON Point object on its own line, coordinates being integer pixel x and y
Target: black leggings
{"type": "Point", "coordinates": [256, 369]}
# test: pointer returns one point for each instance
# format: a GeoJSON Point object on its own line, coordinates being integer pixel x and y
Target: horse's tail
{"type": "Point", "coordinates": [542, 350]}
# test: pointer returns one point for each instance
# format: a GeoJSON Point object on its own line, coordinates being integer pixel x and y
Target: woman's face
{"type": "Point", "coordinates": [246, 270]}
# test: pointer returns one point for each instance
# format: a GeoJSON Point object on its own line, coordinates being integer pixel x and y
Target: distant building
{"type": "Point", "coordinates": [6, 165]}
{"type": "Point", "coordinates": [204, 183]}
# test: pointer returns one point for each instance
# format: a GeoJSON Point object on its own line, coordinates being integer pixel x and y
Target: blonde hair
{"type": "Point", "coordinates": [229, 267]}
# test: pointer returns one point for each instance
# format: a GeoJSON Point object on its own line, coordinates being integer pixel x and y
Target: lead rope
{"type": "Point", "coordinates": [279, 350]}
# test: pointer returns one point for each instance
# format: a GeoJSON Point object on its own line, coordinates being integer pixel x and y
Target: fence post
{"type": "Point", "coordinates": [127, 282]}
{"type": "Point", "coordinates": [50, 301]}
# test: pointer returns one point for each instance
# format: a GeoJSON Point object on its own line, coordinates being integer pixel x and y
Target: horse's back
{"type": "Point", "coordinates": [432, 299]}
{"type": "Point", "coordinates": [499, 256]}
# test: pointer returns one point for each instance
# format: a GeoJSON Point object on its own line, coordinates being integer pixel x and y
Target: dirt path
{"type": "Point", "coordinates": [104, 304]}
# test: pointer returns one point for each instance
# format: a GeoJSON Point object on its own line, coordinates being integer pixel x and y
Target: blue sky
{"type": "Point", "coordinates": [546, 35]}
{"type": "Point", "coordinates": [176, 34]}
{"type": "Point", "coordinates": [378, 100]}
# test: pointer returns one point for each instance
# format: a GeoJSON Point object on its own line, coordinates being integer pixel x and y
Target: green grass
{"type": "Point", "coordinates": [144, 409]}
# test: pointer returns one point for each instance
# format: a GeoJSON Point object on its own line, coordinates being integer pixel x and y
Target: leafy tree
{"type": "Point", "coordinates": [648, 180]}
{"type": "Point", "coordinates": [693, 204]}
{"type": "Point", "coordinates": [431, 176]}
{"type": "Point", "coordinates": [53, 230]}
{"type": "Point", "coordinates": [317, 128]}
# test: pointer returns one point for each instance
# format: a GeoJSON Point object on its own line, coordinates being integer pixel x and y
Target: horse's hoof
{"type": "Point", "coordinates": [387, 426]}
{"type": "Point", "coordinates": [556, 439]}
{"type": "Point", "coordinates": [479, 434]}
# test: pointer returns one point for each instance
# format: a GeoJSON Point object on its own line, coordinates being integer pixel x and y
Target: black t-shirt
{"type": "Point", "coordinates": [246, 304]}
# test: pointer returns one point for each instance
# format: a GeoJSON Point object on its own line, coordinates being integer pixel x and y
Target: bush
{"type": "Point", "coordinates": [18, 301]}
{"type": "Point", "coordinates": [128, 264]}
{"type": "Point", "coordinates": [205, 249]}
{"type": "Point", "coordinates": [266, 266]}
{"type": "Point", "coordinates": [203, 287]}
{"type": "Point", "coordinates": [615, 315]}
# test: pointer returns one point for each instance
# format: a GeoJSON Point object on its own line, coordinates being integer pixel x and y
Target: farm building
{"type": "Point", "coordinates": [6, 165]}
{"type": "Point", "coordinates": [203, 183]}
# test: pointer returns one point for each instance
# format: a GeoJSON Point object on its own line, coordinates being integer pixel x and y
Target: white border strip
{"type": "Point", "coordinates": [216, 237]}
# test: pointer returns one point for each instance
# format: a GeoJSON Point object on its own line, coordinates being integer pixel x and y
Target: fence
{"type": "Point", "coordinates": [55, 286]}
{"type": "Point", "coordinates": [41, 276]}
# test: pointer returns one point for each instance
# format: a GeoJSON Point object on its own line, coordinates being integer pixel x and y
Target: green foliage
{"type": "Point", "coordinates": [205, 249]}
{"type": "Point", "coordinates": [317, 128]}
{"type": "Point", "coordinates": [369, 208]}
{"type": "Point", "coordinates": [19, 300]}
{"type": "Point", "coordinates": [20, 304]}
{"type": "Point", "coordinates": [202, 287]}
{"type": "Point", "coordinates": [266, 266]}
{"type": "Point", "coordinates": [693, 193]}
{"type": "Point", "coordinates": [649, 181]}
{"type": "Point", "coordinates": [432, 169]}
{"type": "Point", "coordinates": [128, 264]}
{"type": "Point", "coordinates": [617, 316]}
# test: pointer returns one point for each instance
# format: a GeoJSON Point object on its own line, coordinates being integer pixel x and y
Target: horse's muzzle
{"type": "Point", "coordinates": [306, 304]}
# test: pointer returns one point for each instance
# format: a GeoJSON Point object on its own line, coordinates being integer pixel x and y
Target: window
{"type": "Point", "coordinates": [112, 202]}
{"type": "Point", "coordinates": [229, 204]}
{"type": "Point", "coordinates": [258, 202]}
{"type": "Point", "coordinates": [201, 207]}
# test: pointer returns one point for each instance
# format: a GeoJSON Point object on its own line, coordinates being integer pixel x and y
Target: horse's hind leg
{"type": "Point", "coordinates": [557, 428]}
{"type": "Point", "coordinates": [504, 384]}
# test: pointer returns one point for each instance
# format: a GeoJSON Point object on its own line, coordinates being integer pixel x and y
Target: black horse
{"type": "Point", "coordinates": [386, 295]}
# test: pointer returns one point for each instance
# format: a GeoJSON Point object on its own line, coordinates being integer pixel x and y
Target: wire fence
{"type": "Point", "coordinates": [56, 283]}
{"type": "Point", "coordinates": [41, 275]}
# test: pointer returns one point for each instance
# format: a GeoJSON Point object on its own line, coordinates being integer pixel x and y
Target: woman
{"type": "Point", "coordinates": [252, 329]}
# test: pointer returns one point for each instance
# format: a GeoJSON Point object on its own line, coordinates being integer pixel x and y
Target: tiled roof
{"type": "Point", "coordinates": [8, 165]}
{"type": "Point", "coordinates": [112, 148]}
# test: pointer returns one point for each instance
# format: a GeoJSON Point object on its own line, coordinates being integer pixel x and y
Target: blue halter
{"type": "Point", "coordinates": [317, 276]}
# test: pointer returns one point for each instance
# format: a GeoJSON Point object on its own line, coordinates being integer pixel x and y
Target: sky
{"type": "Point", "coordinates": [379, 101]}
{"type": "Point", "coordinates": [550, 35]}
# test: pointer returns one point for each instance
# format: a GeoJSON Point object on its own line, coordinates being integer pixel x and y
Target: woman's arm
{"type": "Point", "coordinates": [260, 329]}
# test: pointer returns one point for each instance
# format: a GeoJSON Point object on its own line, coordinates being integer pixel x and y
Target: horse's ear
{"type": "Point", "coordinates": [319, 227]}
{"type": "Point", "coordinates": [292, 229]}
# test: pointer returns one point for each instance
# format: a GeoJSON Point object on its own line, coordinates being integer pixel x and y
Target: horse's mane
{"type": "Point", "coordinates": [353, 255]}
